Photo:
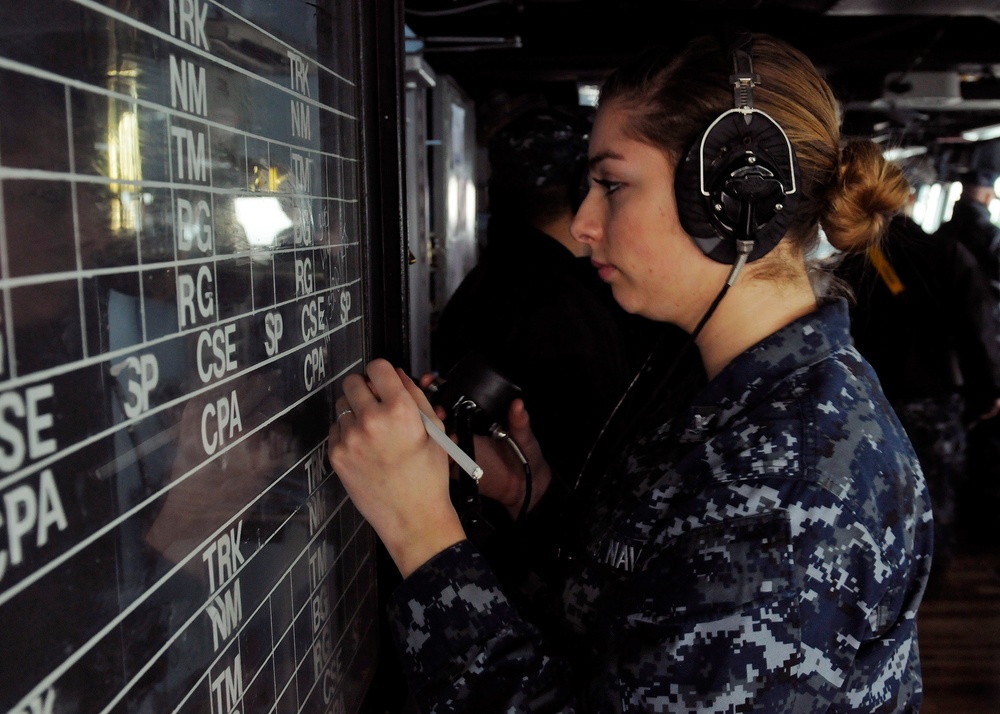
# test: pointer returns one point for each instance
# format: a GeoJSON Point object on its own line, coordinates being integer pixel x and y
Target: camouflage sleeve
{"type": "Point", "coordinates": [462, 645]}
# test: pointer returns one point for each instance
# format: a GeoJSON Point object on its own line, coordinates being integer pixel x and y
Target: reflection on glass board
{"type": "Point", "coordinates": [180, 280]}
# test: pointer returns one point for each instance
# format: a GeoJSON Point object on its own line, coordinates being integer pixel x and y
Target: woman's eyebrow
{"type": "Point", "coordinates": [602, 156]}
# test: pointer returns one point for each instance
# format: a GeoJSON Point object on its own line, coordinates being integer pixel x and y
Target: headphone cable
{"type": "Point", "coordinates": [744, 248]}
{"type": "Point", "coordinates": [500, 434]}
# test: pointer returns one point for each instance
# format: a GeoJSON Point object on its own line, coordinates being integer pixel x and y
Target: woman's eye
{"type": "Point", "coordinates": [609, 186]}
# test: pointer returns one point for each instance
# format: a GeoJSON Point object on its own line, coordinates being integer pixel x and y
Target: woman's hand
{"type": "Point", "coordinates": [394, 473]}
{"type": "Point", "coordinates": [503, 472]}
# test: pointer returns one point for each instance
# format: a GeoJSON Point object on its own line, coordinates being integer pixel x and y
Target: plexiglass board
{"type": "Point", "coordinates": [180, 292]}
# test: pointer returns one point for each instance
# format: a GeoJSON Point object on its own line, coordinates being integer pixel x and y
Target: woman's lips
{"type": "Point", "coordinates": [604, 270]}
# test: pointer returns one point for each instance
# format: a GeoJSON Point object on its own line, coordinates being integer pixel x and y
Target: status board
{"type": "Point", "coordinates": [180, 293]}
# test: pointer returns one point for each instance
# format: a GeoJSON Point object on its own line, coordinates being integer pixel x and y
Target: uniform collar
{"type": "Point", "coordinates": [751, 375]}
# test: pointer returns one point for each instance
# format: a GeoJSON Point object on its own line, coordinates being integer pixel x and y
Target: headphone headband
{"type": "Point", "coordinates": [743, 77]}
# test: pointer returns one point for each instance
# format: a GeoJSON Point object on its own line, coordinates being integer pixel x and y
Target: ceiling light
{"type": "Point", "coordinates": [587, 94]}
{"type": "Point", "coordinates": [903, 152]}
{"type": "Point", "coordinates": [982, 133]}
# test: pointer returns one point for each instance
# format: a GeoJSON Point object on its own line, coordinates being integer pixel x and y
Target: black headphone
{"type": "Point", "coordinates": [737, 187]}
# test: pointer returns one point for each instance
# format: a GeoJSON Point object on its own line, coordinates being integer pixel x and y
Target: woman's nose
{"type": "Point", "coordinates": [585, 227]}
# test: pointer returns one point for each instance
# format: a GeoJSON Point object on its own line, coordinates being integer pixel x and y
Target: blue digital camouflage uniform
{"type": "Point", "coordinates": [766, 551]}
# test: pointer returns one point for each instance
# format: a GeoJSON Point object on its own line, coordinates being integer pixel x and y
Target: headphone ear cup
{"type": "Point", "coordinates": [692, 209]}
{"type": "Point", "coordinates": [738, 160]}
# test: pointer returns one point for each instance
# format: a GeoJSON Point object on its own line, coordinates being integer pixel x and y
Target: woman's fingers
{"type": "Point", "coordinates": [419, 396]}
{"type": "Point", "coordinates": [358, 392]}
